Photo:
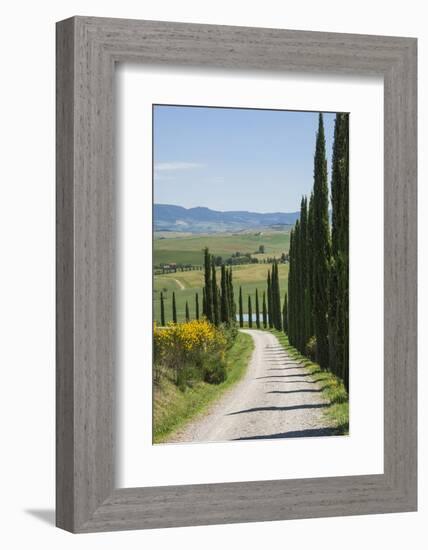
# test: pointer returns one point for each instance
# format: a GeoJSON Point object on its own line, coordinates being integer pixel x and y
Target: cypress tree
{"type": "Point", "coordinates": [339, 270]}
{"type": "Point", "coordinates": [298, 287]}
{"type": "Point", "coordinates": [269, 300]}
{"type": "Point", "coordinates": [174, 309]}
{"type": "Point", "coordinates": [250, 313]}
{"type": "Point", "coordinates": [257, 310]}
{"type": "Point", "coordinates": [278, 293]}
{"type": "Point", "coordinates": [264, 311]}
{"type": "Point", "coordinates": [333, 297]}
{"type": "Point", "coordinates": [214, 292]}
{"type": "Point", "coordinates": [310, 267]}
{"type": "Point", "coordinates": [276, 298]}
{"type": "Point", "coordinates": [321, 248]}
{"type": "Point", "coordinates": [232, 305]}
{"type": "Point", "coordinates": [204, 302]}
{"type": "Point", "coordinates": [285, 315]}
{"type": "Point", "coordinates": [344, 256]}
{"type": "Point", "coordinates": [272, 293]}
{"type": "Point", "coordinates": [187, 312]}
{"type": "Point", "coordinates": [241, 312]}
{"type": "Point", "coordinates": [224, 306]}
{"type": "Point", "coordinates": [162, 310]}
{"type": "Point", "coordinates": [208, 286]}
{"type": "Point", "coordinates": [197, 306]}
{"type": "Point", "coordinates": [218, 305]}
{"type": "Point", "coordinates": [303, 303]}
{"type": "Point", "coordinates": [290, 293]}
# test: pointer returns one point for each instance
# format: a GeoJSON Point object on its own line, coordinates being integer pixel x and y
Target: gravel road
{"type": "Point", "coordinates": [276, 398]}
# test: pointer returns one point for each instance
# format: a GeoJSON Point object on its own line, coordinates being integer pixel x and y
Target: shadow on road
{"type": "Point", "coordinates": [296, 391]}
{"type": "Point", "coordinates": [285, 368]}
{"type": "Point", "coordinates": [280, 409]}
{"type": "Point", "coordinates": [305, 374]}
{"type": "Point", "coordinates": [314, 432]}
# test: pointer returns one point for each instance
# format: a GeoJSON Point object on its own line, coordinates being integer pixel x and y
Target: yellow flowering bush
{"type": "Point", "coordinates": [193, 347]}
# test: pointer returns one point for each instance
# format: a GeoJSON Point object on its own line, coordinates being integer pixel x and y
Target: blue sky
{"type": "Point", "coordinates": [235, 159]}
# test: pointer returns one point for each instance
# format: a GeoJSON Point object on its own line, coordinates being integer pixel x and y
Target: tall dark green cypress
{"type": "Point", "coordinates": [304, 273]}
{"type": "Point", "coordinates": [272, 295]}
{"type": "Point", "coordinates": [174, 309]}
{"type": "Point", "coordinates": [197, 306]}
{"type": "Point", "coordinates": [339, 270]}
{"type": "Point", "coordinates": [321, 248]}
{"type": "Point", "coordinates": [264, 310]}
{"type": "Point", "coordinates": [297, 282]}
{"type": "Point", "coordinates": [257, 310]}
{"type": "Point", "coordinates": [224, 306]}
{"type": "Point", "coordinates": [241, 311]}
{"type": "Point", "coordinates": [290, 293]}
{"type": "Point", "coordinates": [333, 297]}
{"type": "Point", "coordinates": [215, 297]}
{"type": "Point", "coordinates": [276, 298]}
{"type": "Point", "coordinates": [250, 313]}
{"type": "Point", "coordinates": [187, 312]}
{"type": "Point", "coordinates": [204, 303]}
{"type": "Point", "coordinates": [310, 267]}
{"type": "Point", "coordinates": [344, 278]}
{"type": "Point", "coordinates": [285, 315]}
{"type": "Point", "coordinates": [269, 300]}
{"type": "Point", "coordinates": [162, 309]}
{"type": "Point", "coordinates": [232, 305]}
{"type": "Point", "coordinates": [299, 308]}
{"type": "Point", "coordinates": [208, 286]}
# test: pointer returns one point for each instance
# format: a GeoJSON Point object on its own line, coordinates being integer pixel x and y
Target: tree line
{"type": "Point", "coordinates": [318, 281]}
{"type": "Point", "coordinates": [174, 309]}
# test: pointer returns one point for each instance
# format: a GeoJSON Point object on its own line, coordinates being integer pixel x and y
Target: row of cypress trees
{"type": "Point", "coordinates": [261, 315]}
{"type": "Point", "coordinates": [300, 279]}
{"type": "Point", "coordinates": [228, 308]}
{"type": "Point", "coordinates": [318, 281]}
{"type": "Point", "coordinates": [218, 302]}
{"type": "Point", "coordinates": [174, 309]}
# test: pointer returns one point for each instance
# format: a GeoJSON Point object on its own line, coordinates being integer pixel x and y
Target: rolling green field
{"type": "Point", "coordinates": [189, 249]}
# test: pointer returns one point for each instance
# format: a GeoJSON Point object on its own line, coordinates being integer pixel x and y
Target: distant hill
{"type": "Point", "coordinates": [168, 217]}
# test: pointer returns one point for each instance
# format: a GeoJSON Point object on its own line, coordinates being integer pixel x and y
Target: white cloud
{"type": "Point", "coordinates": [175, 166]}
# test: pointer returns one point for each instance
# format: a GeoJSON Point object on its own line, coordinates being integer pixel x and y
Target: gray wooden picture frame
{"type": "Point", "coordinates": [87, 50]}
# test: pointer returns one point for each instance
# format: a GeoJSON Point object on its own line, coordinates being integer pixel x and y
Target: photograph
{"type": "Point", "coordinates": [250, 274]}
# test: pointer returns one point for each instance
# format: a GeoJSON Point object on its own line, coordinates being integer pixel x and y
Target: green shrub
{"type": "Point", "coordinates": [188, 375]}
{"type": "Point", "coordinates": [214, 371]}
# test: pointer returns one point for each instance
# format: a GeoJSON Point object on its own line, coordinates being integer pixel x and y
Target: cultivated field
{"type": "Point", "coordinates": [189, 248]}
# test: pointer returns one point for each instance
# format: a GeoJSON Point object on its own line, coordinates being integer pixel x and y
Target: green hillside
{"type": "Point", "coordinates": [188, 249]}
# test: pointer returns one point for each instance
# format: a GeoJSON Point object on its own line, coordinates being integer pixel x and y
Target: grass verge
{"type": "Point", "coordinates": [174, 407]}
{"type": "Point", "coordinates": [333, 390]}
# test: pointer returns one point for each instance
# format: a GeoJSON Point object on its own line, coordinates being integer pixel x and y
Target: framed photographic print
{"type": "Point", "coordinates": [236, 274]}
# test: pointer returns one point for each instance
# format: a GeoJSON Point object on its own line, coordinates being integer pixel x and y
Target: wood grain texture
{"type": "Point", "coordinates": [64, 276]}
{"type": "Point", "coordinates": [87, 49]}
